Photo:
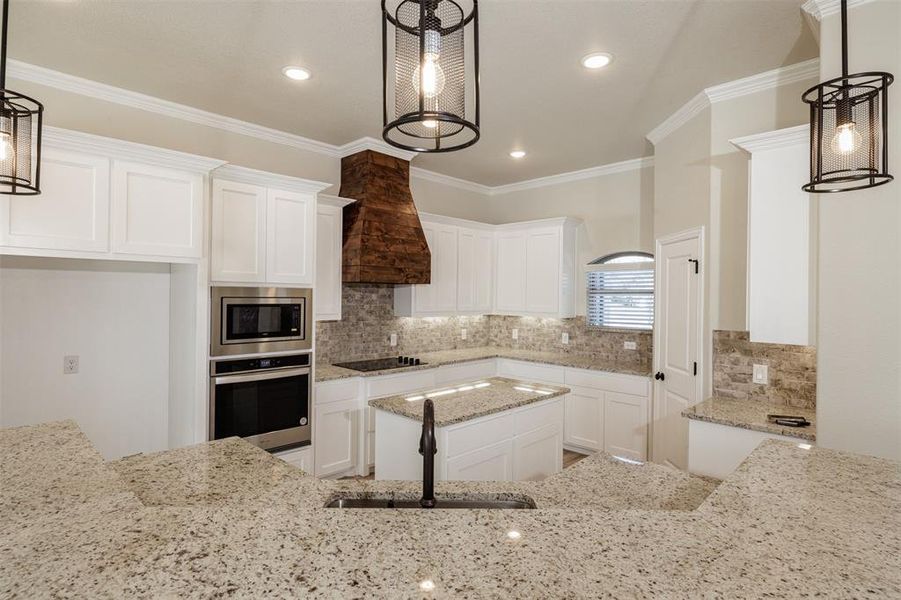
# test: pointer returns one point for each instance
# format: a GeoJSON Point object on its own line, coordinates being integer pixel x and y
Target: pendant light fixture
{"type": "Point", "coordinates": [20, 133]}
{"type": "Point", "coordinates": [433, 56]}
{"type": "Point", "coordinates": [848, 128]}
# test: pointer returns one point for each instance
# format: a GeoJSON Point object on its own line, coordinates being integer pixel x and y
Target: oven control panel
{"type": "Point", "coordinates": [242, 365]}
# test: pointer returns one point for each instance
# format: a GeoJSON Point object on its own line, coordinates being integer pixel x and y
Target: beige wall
{"type": "Point", "coordinates": [859, 329]}
{"type": "Point", "coordinates": [440, 199]}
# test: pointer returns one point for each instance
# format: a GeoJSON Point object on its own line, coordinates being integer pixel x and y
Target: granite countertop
{"type": "Point", "coordinates": [225, 518]}
{"type": "Point", "coordinates": [327, 372]}
{"type": "Point", "coordinates": [470, 402]}
{"type": "Point", "coordinates": [751, 414]}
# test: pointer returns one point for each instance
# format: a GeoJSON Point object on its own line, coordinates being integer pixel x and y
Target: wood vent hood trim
{"type": "Point", "coordinates": [383, 237]}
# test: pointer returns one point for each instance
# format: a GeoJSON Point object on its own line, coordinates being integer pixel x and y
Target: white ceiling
{"type": "Point", "coordinates": [226, 57]}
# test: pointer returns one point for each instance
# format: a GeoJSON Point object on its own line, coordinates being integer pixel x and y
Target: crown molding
{"type": "Point", "coordinates": [264, 178]}
{"type": "Point", "coordinates": [332, 200]}
{"type": "Point", "coordinates": [582, 174]}
{"type": "Point", "coordinates": [369, 143]}
{"type": "Point", "coordinates": [448, 180]}
{"type": "Point", "coordinates": [790, 136]}
{"type": "Point", "coordinates": [809, 69]}
{"type": "Point", "coordinates": [825, 8]}
{"type": "Point", "coordinates": [66, 139]}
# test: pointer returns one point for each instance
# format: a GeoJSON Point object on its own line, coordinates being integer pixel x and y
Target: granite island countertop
{"type": "Point", "coordinates": [471, 401]}
{"type": "Point", "coordinates": [751, 414]}
{"type": "Point", "coordinates": [225, 518]}
{"type": "Point", "coordinates": [328, 372]}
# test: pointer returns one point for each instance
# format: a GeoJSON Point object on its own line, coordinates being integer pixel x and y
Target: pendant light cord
{"type": "Point", "coordinates": [844, 38]}
{"type": "Point", "coordinates": [3, 45]}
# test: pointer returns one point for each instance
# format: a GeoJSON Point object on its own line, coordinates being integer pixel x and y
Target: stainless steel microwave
{"type": "Point", "coordinates": [259, 320]}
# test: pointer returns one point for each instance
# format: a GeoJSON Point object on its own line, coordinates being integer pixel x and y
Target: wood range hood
{"type": "Point", "coordinates": [383, 237]}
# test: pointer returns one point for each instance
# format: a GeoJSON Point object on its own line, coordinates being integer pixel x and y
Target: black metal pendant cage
{"type": "Point", "coordinates": [849, 133]}
{"type": "Point", "coordinates": [20, 144]}
{"type": "Point", "coordinates": [430, 74]}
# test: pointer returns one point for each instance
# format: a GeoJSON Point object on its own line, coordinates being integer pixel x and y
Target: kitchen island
{"type": "Point", "coordinates": [496, 429]}
{"type": "Point", "coordinates": [225, 518]}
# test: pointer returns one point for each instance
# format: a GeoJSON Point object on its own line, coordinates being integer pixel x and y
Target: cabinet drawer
{"type": "Point", "coordinates": [529, 371]}
{"type": "Point", "coordinates": [493, 462]}
{"type": "Point", "coordinates": [389, 385]}
{"type": "Point", "coordinates": [610, 382]}
{"type": "Point", "coordinates": [471, 436]}
{"type": "Point", "coordinates": [539, 415]}
{"type": "Point", "coordinates": [335, 391]}
{"type": "Point", "coordinates": [465, 372]}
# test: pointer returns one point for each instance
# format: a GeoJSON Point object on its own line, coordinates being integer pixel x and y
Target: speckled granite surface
{"type": "Point", "coordinates": [502, 394]}
{"type": "Point", "coordinates": [326, 372]}
{"type": "Point", "coordinates": [789, 523]}
{"type": "Point", "coordinates": [751, 414]}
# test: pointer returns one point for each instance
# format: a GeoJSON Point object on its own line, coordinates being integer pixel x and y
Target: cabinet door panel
{"type": "Point", "coordinates": [336, 434]}
{"type": "Point", "coordinates": [510, 293]}
{"type": "Point", "coordinates": [584, 419]}
{"type": "Point", "coordinates": [543, 271]}
{"type": "Point", "coordinates": [327, 303]}
{"type": "Point", "coordinates": [538, 454]}
{"type": "Point", "coordinates": [72, 211]}
{"type": "Point", "coordinates": [489, 463]}
{"type": "Point", "coordinates": [626, 425]}
{"type": "Point", "coordinates": [239, 232]}
{"type": "Point", "coordinates": [466, 270]}
{"type": "Point", "coordinates": [290, 218]}
{"type": "Point", "coordinates": [444, 270]}
{"type": "Point", "coordinates": [156, 211]}
{"type": "Point", "coordinates": [483, 273]}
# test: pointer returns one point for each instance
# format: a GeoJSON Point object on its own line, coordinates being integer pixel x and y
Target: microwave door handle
{"type": "Point", "coordinates": [248, 377]}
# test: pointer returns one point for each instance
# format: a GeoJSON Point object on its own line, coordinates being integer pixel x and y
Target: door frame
{"type": "Point", "coordinates": [681, 236]}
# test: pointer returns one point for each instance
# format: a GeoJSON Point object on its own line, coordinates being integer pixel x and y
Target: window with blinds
{"type": "Point", "coordinates": [621, 292]}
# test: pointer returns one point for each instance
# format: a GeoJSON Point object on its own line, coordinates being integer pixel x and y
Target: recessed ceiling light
{"type": "Point", "coordinates": [597, 60]}
{"type": "Point", "coordinates": [296, 73]}
{"type": "Point", "coordinates": [518, 153]}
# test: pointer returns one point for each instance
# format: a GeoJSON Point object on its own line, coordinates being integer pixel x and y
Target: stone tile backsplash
{"type": "Point", "coordinates": [792, 370]}
{"type": "Point", "coordinates": [368, 321]}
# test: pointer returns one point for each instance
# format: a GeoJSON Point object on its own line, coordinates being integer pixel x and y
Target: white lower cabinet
{"type": "Point", "coordinates": [538, 453]}
{"type": "Point", "coordinates": [493, 462]}
{"type": "Point", "coordinates": [584, 425]}
{"type": "Point", "coordinates": [302, 458]}
{"type": "Point", "coordinates": [626, 425]}
{"type": "Point", "coordinates": [336, 436]}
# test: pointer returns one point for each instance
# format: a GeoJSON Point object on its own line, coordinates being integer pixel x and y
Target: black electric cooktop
{"type": "Point", "coordinates": [380, 364]}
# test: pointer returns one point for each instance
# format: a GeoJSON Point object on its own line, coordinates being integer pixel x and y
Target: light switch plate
{"type": "Point", "coordinates": [761, 374]}
{"type": "Point", "coordinates": [564, 338]}
{"type": "Point", "coordinates": [463, 334]}
{"type": "Point", "coordinates": [516, 334]}
{"type": "Point", "coordinates": [70, 365]}
{"type": "Point", "coordinates": [630, 345]}
{"type": "Point", "coordinates": [393, 339]}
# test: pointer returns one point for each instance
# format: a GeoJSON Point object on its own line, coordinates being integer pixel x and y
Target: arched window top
{"type": "Point", "coordinates": [623, 257]}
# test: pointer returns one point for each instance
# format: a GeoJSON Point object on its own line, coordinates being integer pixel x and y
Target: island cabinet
{"type": "Point", "coordinates": [263, 228]}
{"type": "Point", "coordinates": [336, 427]}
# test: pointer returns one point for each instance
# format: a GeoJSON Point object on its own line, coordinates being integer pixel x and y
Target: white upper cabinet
{"type": "Point", "coordinates": [110, 199]}
{"type": "Point", "coordinates": [329, 244]}
{"type": "Point", "coordinates": [72, 211]}
{"type": "Point", "coordinates": [781, 238]}
{"type": "Point", "coordinates": [238, 232]}
{"type": "Point", "coordinates": [536, 268]}
{"type": "Point", "coordinates": [475, 270]}
{"type": "Point", "coordinates": [263, 228]}
{"type": "Point", "coordinates": [440, 296]}
{"type": "Point", "coordinates": [156, 211]}
{"type": "Point", "coordinates": [290, 235]}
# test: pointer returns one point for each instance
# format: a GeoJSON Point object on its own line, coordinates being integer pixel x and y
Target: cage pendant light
{"type": "Point", "coordinates": [848, 128]}
{"type": "Point", "coordinates": [20, 133]}
{"type": "Point", "coordinates": [430, 74]}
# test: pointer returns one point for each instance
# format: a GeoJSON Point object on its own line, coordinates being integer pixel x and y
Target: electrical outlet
{"type": "Point", "coordinates": [630, 345]}
{"type": "Point", "coordinates": [761, 374]}
{"type": "Point", "coordinates": [516, 334]}
{"type": "Point", "coordinates": [463, 334]}
{"type": "Point", "coordinates": [564, 338]}
{"type": "Point", "coordinates": [70, 365]}
{"type": "Point", "coordinates": [393, 339]}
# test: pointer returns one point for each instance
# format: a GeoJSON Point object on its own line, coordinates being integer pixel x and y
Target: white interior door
{"type": "Point", "coordinates": [677, 340]}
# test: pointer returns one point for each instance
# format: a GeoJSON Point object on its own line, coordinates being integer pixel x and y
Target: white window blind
{"type": "Point", "coordinates": [621, 295]}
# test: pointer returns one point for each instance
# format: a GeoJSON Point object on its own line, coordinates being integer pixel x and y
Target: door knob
{"type": "Point", "coordinates": [660, 376]}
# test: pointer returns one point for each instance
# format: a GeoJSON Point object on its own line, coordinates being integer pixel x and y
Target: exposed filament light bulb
{"type": "Point", "coordinates": [431, 75]}
{"type": "Point", "coordinates": [846, 139]}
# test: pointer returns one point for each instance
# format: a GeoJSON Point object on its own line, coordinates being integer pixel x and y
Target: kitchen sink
{"type": "Point", "coordinates": [471, 503]}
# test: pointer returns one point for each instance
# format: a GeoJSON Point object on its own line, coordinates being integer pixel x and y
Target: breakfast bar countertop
{"type": "Point", "coordinates": [752, 414]}
{"type": "Point", "coordinates": [470, 401]}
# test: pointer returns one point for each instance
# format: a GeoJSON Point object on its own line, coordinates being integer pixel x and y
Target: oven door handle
{"type": "Point", "coordinates": [262, 376]}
